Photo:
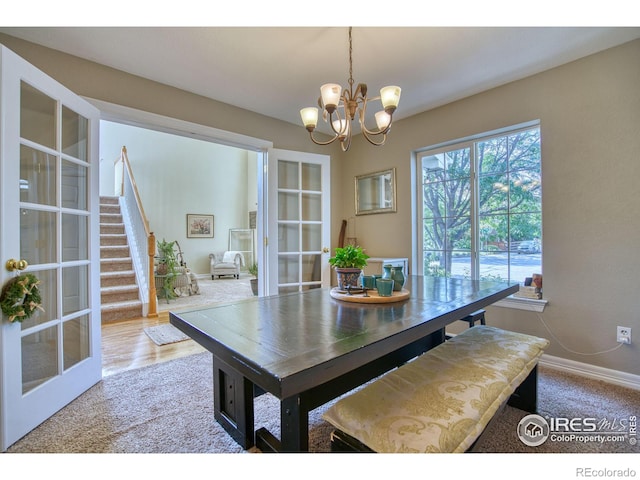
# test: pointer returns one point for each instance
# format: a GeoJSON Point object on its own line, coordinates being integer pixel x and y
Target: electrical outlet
{"type": "Point", "coordinates": [624, 335]}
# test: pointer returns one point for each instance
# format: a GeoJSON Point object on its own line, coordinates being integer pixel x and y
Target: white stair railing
{"type": "Point", "coordinates": [142, 242]}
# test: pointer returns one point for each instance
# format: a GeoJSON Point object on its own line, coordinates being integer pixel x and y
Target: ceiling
{"type": "Point", "coordinates": [276, 71]}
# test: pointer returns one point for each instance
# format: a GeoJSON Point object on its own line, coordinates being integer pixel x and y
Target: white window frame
{"type": "Point", "coordinates": [417, 207]}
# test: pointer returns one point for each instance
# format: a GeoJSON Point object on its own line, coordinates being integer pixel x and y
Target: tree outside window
{"type": "Point", "coordinates": [482, 208]}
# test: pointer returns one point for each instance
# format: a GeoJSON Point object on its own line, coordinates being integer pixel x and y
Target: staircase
{"type": "Point", "coordinates": [119, 296]}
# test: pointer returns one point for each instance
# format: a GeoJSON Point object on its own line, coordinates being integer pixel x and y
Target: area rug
{"type": "Point", "coordinates": [165, 334]}
{"type": "Point", "coordinates": [168, 408]}
{"type": "Point", "coordinates": [210, 292]}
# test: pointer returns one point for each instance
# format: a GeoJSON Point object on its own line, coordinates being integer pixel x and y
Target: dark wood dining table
{"type": "Point", "coordinates": [308, 348]}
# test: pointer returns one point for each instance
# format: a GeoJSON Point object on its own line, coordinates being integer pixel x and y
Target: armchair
{"type": "Point", "coordinates": [226, 263]}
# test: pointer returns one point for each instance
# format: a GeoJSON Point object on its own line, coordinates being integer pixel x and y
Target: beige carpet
{"type": "Point", "coordinates": [168, 407]}
{"type": "Point", "coordinates": [225, 289]}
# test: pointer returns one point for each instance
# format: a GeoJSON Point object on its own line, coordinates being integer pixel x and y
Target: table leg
{"type": "Point", "coordinates": [294, 429]}
{"type": "Point", "coordinates": [233, 403]}
{"type": "Point", "coordinates": [294, 425]}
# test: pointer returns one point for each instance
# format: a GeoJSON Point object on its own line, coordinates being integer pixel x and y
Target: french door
{"type": "Point", "coordinates": [49, 216]}
{"type": "Point", "coordinates": [299, 223]}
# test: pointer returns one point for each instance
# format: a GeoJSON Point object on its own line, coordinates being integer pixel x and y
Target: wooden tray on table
{"type": "Point", "coordinates": [358, 296]}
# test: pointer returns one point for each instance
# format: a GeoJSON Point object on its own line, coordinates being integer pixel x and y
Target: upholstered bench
{"type": "Point", "coordinates": [442, 400]}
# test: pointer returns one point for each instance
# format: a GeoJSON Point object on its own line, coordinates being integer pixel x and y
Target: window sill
{"type": "Point", "coordinates": [529, 304]}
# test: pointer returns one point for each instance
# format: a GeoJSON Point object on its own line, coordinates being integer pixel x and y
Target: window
{"type": "Point", "coordinates": [481, 207]}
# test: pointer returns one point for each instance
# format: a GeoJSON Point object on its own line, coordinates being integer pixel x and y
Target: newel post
{"type": "Point", "coordinates": [151, 248]}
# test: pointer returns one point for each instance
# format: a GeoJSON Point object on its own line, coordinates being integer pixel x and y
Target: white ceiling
{"type": "Point", "coordinates": [276, 71]}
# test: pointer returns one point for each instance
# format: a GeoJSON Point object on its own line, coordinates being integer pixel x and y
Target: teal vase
{"type": "Point", "coordinates": [386, 271]}
{"type": "Point", "coordinates": [398, 278]}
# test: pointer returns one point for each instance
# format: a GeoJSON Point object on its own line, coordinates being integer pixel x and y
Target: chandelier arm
{"type": "Point", "coordinates": [363, 112]}
{"type": "Point", "coordinates": [372, 141]}
{"type": "Point", "coordinates": [345, 142]}
{"type": "Point", "coordinates": [318, 142]}
{"type": "Point", "coordinates": [379, 131]}
{"type": "Point", "coordinates": [344, 128]}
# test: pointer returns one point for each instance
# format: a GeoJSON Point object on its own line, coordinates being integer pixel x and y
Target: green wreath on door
{"type": "Point", "coordinates": [20, 297]}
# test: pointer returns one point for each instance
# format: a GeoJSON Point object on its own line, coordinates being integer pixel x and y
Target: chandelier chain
{"type": "Point", "coordinates": [350, 60]}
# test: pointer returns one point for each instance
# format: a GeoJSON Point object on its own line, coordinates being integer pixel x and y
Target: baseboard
{"type": "Point", "coordinates": [608, 375]}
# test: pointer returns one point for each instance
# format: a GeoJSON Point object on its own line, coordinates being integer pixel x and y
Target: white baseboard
{"type": "Point", "coordinates": [615, 377]}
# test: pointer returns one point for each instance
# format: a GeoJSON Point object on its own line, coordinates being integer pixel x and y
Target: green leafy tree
{"type": "Point", "coordinates": [509, 195]}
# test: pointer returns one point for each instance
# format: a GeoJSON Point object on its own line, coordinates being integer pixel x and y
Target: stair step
{"type": "Point", "coordinates": [117, 277]}
{"type": "Point", "coordinates": [115, 264]}
{"type": "Point", "coordinates": [106, 200]}
{"type": "Point", "coordinates": [111, 228]}
{"type": "Point", "coordinates": [113, 239]}
{"type": "Point", "coordinates": [114, 251]}
{"type": "Point", "coordinates": [113, 312]}
{"type": "Point", "coordinates": [109, 209]}
{"type": "Point", "coordinates": [118, 294]}
{"type": "Point", "coordinates": [111, 217]}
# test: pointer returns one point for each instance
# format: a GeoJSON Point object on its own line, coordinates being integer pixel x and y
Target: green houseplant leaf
{"type": "Point", "coordinates": [167, 267]}
{"type": "Point", "coordinates": [349, 256]}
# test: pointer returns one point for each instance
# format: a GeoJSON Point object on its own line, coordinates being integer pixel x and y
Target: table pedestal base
{"type": "Point", "coordinates": [233, 403]}
{"type": "Point", "coordinates": [233, 399]}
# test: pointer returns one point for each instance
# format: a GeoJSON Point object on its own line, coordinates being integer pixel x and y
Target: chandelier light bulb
{"type": "Point", "coordinates": [330, 93]}
{"type": "Point", "coordinates": [383, 119]}
{"type": "Point", "coordinates": [342, 127]}
{"type": "Point", "coordinates": [390, 98]}
{"type": "Point", "coordinates": [309, 117]}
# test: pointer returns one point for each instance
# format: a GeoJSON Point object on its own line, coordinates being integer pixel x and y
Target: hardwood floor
{"type": "Point", "coordinates": [125, 346]}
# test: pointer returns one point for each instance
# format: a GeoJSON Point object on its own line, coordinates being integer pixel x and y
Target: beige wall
{"type": "Point", "coordinates": [589, 112]}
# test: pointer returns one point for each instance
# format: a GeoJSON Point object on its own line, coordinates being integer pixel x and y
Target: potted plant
{"type": "Point", "coordinates": [253, 270]}
{"type": "Point", "coordinates": [348, 263]}
{"type": "Point", "coordinates": [166, 268]}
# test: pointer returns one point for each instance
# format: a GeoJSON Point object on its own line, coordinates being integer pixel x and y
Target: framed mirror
{"type": "Point", "coordinates": [376, 192]}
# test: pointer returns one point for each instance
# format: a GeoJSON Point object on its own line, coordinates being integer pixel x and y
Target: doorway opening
{"type": "Point", "coordinates": [181, 169]}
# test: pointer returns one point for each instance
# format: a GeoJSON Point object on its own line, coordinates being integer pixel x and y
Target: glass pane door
{"type": "Point", "coordinates": [51, 223]}
{"type": "Point", "coordinates": [300, 220]}
{"type": "Point", "coordinates": [54, 234]}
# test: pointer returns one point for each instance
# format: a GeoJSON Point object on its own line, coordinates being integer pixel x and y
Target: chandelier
{"type": "Point", "coordinates": [340, 108]}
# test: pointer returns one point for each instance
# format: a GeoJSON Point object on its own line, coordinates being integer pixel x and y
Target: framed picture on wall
{"type": "Point", "coordinates": [199, 226]}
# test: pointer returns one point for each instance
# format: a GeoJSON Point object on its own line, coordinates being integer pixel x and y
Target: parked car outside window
{"type": "Point", "coordinates": [529, 246]}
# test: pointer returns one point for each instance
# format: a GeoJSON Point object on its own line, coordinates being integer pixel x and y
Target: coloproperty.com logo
{"type": "Point", "coordinates": [534, 430]}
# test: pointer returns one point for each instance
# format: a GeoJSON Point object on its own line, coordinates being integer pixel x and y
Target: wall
{"type": "Point", "coordinates": [177, 176]}
{"type": "Point", "coordinates": [589, 113]}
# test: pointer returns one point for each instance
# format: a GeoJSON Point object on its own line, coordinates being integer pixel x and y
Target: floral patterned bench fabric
{"type": "Point", "coordinates": [442, 400]}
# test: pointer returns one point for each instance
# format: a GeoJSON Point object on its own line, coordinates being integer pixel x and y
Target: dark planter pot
{"type": "Point", "coordinates": [348, 277]}
{"type": "Point", "coordinates": [254, 286]}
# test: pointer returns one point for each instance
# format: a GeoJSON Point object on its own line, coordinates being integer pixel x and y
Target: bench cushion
{"type": "Point", "coordinates": [442, 400]}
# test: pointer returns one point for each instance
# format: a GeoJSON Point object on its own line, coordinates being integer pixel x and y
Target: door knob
{"type": "Point", "coordinates": [16, 264]}
{"type": "Point", "coordinates": [325, 250]}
